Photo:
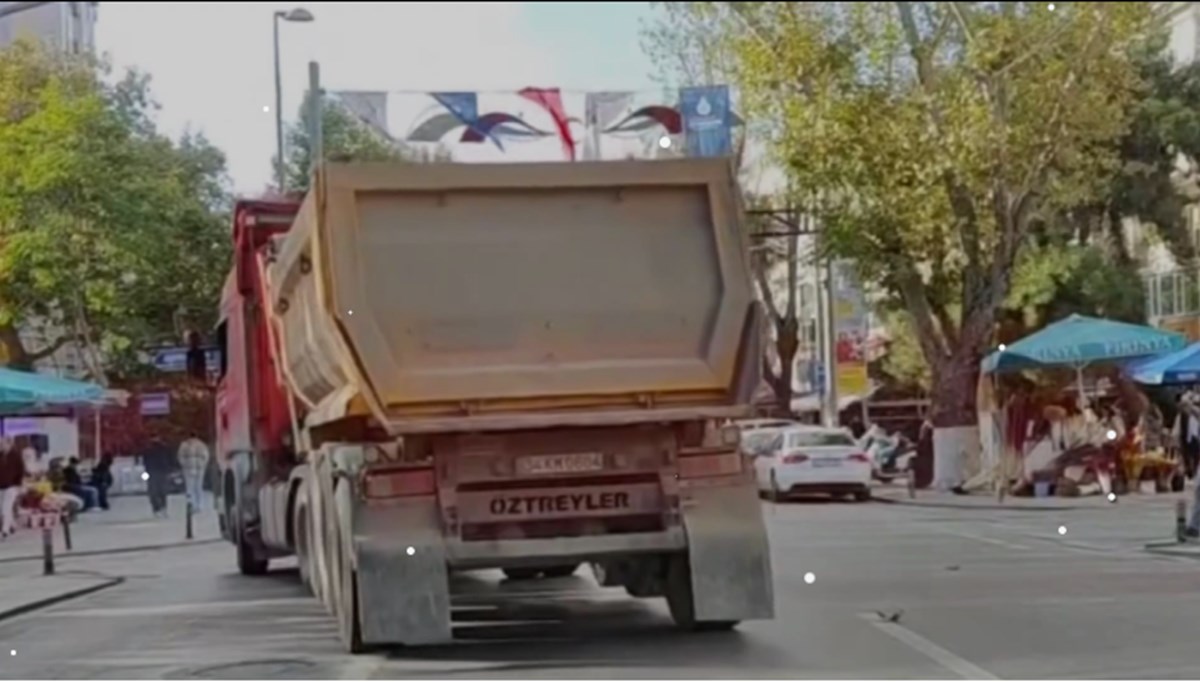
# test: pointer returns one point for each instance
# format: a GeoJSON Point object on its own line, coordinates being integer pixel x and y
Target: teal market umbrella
{"type": "Point", "coordinates": [1078, 341]}
{"type": "Point", "coordinates": [25, 389]}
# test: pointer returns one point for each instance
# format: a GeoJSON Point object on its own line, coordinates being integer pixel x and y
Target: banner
{"type": "Point", "coordinates": [850, 331]}
{"type": "Point", "coordinates": [706, 120]}
{"type": "Point", "coordinates": [464, 106]}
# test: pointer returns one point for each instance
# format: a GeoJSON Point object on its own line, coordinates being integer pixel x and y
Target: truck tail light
{"type": "Point", "coordinates": [703, 466]}
{"type": "Point", "coordinates": [795, 459]}
{"type": "Point", "coordinates": [386, 483]}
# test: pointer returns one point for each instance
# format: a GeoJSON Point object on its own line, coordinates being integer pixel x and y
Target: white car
{"type": "Point", "coordinates": [759, 434]}
{"type": "Point", "coordinates": [812, 459]}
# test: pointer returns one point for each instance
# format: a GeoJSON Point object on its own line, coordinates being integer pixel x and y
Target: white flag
{"type": "Point", "coordinates": [603, 108]}
{"type": "Point", "coordinates": [368, 107]}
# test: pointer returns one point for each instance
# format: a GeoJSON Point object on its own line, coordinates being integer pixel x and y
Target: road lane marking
{"type": "Point", "coordinates": [172, 609]}
{"type": "Point", "coordinates": [947, 659]}
{"type": "Point", "coordinates": [982, 538]}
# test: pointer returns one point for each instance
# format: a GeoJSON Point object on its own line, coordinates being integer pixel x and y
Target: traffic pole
{"type": "Point", "coordinates": [1181, 520]}
{"type": "Point", "coordinates": [189, 519]}
{"type": "Point", "coordinates": [47, 551]}
{"type": "Point", "coordinates": [66, 526]}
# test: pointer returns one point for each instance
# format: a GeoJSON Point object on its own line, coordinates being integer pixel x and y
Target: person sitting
{"type": "Point", "coordinates": [73, 484]}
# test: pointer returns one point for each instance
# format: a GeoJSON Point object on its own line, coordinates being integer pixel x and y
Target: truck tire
{"type": "Point", "coordinates": [562, 571]}
{"type": "Point", "coordinates": [349, 617]}
{"type": "Point", "coordinates": [521, 573]}
{"type": "Point", "coordinates": [681, 602]}
{"type": "Point", "coordinates": [248, 560]}
{"type": "Point", "coordinates": [303, 545]}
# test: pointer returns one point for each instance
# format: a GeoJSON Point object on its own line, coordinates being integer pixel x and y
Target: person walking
{"type": "Point", "coordinates": [12, 481]}
{"type": "Point", "coordinates": [193, 460]}
{"type": "Point", "coordinates": [157, 463]}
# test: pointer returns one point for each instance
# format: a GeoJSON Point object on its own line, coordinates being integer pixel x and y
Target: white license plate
{"type": "Point", "coordinates": [823, 462]}
{"type": "Point", "coordinates": [560, 464]}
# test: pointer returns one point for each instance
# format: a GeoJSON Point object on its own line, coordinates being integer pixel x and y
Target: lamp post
{"type": "Point", "coordinates": [300, 15]}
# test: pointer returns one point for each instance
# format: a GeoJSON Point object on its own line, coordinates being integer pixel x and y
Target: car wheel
{"type": "Point", "coordinates": [862, 495]}
{"type": "Point", "coordinates": [521, 573]}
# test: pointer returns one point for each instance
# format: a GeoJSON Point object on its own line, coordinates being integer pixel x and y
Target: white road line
{"type": "Point", "coordinates": [362, 667]}
{"type": "Point", "coordinates": [172, 609]}
{"type": "Point", "coordinates": [982, 538]}
{"type": "Point", "coordinates": [947, 659]}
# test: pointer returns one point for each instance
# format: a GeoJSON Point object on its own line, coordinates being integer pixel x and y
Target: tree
{"type": "Point", "coordinates": [930, 136]}
{"type": "Point", "coordinates": [344, 138]}
{"type": "Point", "coordinates": [107, 228]}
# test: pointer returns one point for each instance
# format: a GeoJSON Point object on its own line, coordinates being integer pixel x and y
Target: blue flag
{"type": "Point", "coordinates": [707, 119]}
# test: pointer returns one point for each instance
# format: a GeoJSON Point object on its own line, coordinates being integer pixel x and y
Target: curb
{"type": "Point", "coordinates": [982, 507]}
{"type": "Point", "coordinates": [1172, 548]}
{"type": "Point", "coordinates": [58, 599]}
{"type": "Point", "coordinates": [118, 550]}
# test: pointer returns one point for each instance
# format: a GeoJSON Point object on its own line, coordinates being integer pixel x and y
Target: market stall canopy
{"type": "Point", "coordinates": [1179, 367]}
{"type": "Point", "coordinates": [1078, 341]}
{"type": "Point", "coordinates": [28, 388]}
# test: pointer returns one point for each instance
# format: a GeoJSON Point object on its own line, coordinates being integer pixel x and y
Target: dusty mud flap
{"type": "Point", "coordinates": [402, 577]}
{"type": "Point", "coordinates": [728, 553]}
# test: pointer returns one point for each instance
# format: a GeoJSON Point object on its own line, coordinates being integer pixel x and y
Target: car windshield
{"type": "Point", "coordinates": [802, 439]}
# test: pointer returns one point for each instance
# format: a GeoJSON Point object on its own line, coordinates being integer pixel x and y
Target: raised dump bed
{"type": "Point", "coordinates": [474, 289]}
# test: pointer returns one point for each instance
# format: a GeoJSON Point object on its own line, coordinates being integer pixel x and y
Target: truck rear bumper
{"type": "Point", "coordinates": [494, 553]}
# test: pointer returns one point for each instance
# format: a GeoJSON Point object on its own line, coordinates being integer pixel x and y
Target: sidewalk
{"type": "Point", "coordinates": [898, 494]}
{"type": "Point", "coordinates": [127, 526]}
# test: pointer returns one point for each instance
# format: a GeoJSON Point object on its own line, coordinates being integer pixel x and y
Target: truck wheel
{"type": "Point", "coordinates": [680, 600]}
{"type": "Point", "coordinates": [349, 617]}
{"type": "Point", "coordinates": [560, 571]}
{"type": "Point", "coordinates": [521, 573]}
{"type": "Point", "coordinates": [303, 551]}
{"type": "Point", "coordinates": [249, 563]}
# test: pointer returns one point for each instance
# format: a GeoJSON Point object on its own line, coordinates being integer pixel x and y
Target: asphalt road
{"type": "Point", "coordinates": [982, 594]}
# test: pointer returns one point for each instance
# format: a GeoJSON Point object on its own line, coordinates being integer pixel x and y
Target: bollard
{"type": "Point", "coordinates": [912, 484]}
{"type": "Point", "coordinates": [47, 551]}
{"type": "Point", "coordinates": [1181, 521]}
{"type": "Point", "coordinates": [189, 520]}
{"type": "Point", "coordinates": [66, 525]}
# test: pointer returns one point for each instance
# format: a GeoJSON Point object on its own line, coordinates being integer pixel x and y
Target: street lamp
{"type": "Point", "coordinates": [299, 15]}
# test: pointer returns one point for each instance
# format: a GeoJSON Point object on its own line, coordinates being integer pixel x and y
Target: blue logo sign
{"type": "Point", "coordinates": [707, 120]}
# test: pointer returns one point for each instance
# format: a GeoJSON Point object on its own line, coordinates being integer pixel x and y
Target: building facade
{"type": "Point", "coordinates": [65, 26]}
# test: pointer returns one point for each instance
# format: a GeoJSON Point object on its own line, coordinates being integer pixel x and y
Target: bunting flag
{"type": "Point", "coordinates": [550, 99]}
{"type": "Point", "coordinates": [368, 107]}
{"type": "Point", "coordinates": [464, 106]}
{"type": "Point", "coordinates": [601, 109]}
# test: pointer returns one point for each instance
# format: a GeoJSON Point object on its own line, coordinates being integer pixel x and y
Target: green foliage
{"type": "Point", "coordinates": [107, 229]}
{"type": "Point", "coordinates": [931, 136]}
{"type": "Point", "coordinates": [344, 138]}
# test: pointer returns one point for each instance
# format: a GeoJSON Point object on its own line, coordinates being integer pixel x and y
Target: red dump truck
{"type": "Point", "coordinates": [432, 368]}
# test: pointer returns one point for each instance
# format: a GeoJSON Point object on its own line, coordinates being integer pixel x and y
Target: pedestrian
{"type": "Point", "coordinates": [193, 460]}
{"type": "Point", "coordinates": [102, 479]}
{"type": "Point", "coordinates": [12, 480]}
{"type": "Point", "coordinates": [1187, 429]}
{"type": "Point", "coordinates": [156, 460]}
{"type": "Point", "coordinates": [73, 484]}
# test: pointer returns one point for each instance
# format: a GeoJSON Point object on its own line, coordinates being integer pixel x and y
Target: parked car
{"type": "Point", "coordinates": [805, 459]}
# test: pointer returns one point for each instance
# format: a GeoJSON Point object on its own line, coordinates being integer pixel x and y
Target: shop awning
{"type": "Point", "coordinates": [25, 389]}
{"type": "Point", "coordinates": [1078, 341]}
{"type": "Point", "coordinates": [1179, 367]}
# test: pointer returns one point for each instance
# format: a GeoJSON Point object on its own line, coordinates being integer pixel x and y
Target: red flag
{"type": "Point", "coordinates": [550, 99]}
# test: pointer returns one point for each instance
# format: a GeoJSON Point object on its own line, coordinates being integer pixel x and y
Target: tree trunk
{"type": "Point", "coordinates": [787, 344]}
{"type": "Point", "coordinates": [12, 351]}
{"type": "Point", "coordinates": [955, 421]}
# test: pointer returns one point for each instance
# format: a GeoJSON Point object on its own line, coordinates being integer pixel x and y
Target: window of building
{"type": "Point", "coordinates": [1166, 294]}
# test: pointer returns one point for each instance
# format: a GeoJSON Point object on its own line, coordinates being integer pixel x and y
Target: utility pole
{"type": "Point", "coordinates": [828, 322]}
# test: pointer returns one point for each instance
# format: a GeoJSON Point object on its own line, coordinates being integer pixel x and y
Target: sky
{"type": "Point", "coordinates": [213, 71]}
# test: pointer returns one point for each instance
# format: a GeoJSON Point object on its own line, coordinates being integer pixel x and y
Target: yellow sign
{"type": "Point", "coordinates": [852, 379]}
